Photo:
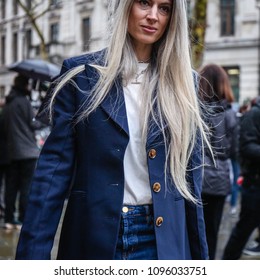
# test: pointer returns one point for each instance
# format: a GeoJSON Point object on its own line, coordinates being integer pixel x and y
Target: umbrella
{"type": "Point", "coordinates": [36, 69]}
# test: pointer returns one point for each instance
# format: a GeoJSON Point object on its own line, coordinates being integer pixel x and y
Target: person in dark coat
{"type": "Point", "coordinates": [3, 159]}
{"type": "Point", "coordinates": [217, 94]}
{"type": "Point", "coordinates": [249, 217]}
{"type": "Point", "coordinates": [22, 150]}
{"type": "Point", "coordinates": [126, 142]}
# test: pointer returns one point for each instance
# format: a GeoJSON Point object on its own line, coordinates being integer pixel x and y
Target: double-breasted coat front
{"type": "Point", "coordinates": [84, 161]}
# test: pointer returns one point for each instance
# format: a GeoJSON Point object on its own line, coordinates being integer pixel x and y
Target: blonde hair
{"type": "Point", "coordinates": [175, 107]}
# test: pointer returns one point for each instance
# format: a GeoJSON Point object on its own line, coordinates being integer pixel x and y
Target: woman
{"type": "Point", "coordinates": [217, 94]}
{"type": "Point", "coordinates": [22, 150]}
{"type": "Point", "coordinates": [127, 129]}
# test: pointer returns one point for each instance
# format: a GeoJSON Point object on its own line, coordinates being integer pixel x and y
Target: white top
{"type": "Point", "coordinates": [137, 186]}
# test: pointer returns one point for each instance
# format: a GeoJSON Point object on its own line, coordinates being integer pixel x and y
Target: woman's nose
{"type": "Point", "coordinates": [153, 13]}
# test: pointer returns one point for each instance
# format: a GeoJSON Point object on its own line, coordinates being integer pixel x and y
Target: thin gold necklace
{"type": "Point", "coordinates": [144, 61]}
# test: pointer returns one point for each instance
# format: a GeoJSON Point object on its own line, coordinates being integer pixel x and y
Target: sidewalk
{"type": "Point", "coordinates": [8, 239]}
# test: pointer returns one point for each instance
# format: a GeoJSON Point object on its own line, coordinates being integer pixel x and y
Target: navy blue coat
{"type": "Point", "coordinates": [87, 158]}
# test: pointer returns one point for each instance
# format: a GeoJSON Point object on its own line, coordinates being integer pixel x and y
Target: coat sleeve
{"type": "Point", "coordinates": [51, 181]}
{"type": "Point", "coordinates": [232, 134]}
{"type": "Point", "coordinates": [194, 212]}
{"type": "Point", "coordinates": [250, 135]}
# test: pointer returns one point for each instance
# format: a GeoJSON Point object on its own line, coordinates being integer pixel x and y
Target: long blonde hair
{"type": "Point", "coordinates": [175, 104]}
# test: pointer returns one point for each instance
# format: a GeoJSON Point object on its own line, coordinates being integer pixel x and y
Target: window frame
{"type": "Point", "coordinates": [86, 33]}
{"type": "Point", "coordinates": [227, 17]}
{"type": "Point", "coordinates": [54, 32]}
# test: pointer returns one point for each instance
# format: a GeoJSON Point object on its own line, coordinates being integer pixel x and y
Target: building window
{"type": "Point", "coordinates": [2, 49]}
{"type": "Point", "coordinates": [37, 50]}
{"type": "Point", "coordinates": [233, 74]}
{"type": "Point", "coordinates": [15, 7]}
{"type": "Point", "coordinates": [54, 33]}
{"type": "Point", "coordinates": [2, 95]}
{"type": "Point", "coordinates": [85, 31]}
{"type": "Point", "coordinates": [28, 42]}
{"type": "Point", "coordinates": [227, 15]}
{"type": "Point", "coordinates": [55, 2]}
{"type": "Point", "coordinates": [3, 6]}
{"type": "Point", "coordinates": [15, 46]}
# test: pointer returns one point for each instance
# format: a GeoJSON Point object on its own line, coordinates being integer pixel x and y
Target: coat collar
{"type": "Point", "coordinates": [114, 102]}
{"type": "Point", "coordinates": [114, 106]}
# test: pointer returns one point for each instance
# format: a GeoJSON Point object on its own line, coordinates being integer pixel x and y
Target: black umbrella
{"type": "Point", "coordinates": [36, 69]}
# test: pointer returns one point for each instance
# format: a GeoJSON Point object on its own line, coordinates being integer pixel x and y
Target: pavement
{"type": "Point", "coordinates": [9, 238]}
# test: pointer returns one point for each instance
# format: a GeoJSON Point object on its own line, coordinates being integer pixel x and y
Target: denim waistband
{"type": "Point", "coordinates": [136, 238]}
{"type": "Point", "coordinates": [132, 210]}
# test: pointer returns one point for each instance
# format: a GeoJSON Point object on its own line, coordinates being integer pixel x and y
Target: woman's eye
{"type": "Point", "coordinates": [143, 3]}
{"type": "Point", "coordinates": [165, 10]}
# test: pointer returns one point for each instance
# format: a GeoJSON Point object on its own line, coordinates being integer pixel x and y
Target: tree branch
{"type": "Point", "coordinates": [32, 17]}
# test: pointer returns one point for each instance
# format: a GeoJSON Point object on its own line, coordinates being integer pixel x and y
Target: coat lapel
{"type": "Point", "coordinates": [114, 103]}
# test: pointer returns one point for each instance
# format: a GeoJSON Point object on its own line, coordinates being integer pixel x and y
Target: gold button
{"type": "Point", "coordinates": [156, 187]}
{"type": "Point", "coordinates": [125, 209]}
{"type": "Point", "coordinates": [159, 221]}
{"type": "Point", "coordinates": [152, 153]}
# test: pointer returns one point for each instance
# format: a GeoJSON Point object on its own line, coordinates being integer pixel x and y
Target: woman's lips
{"type": "Point", "coordinates": [149, 29]}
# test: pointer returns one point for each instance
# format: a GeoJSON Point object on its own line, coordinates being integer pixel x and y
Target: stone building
{"type": "Point", "coordinates": [70, 27]}
{"type": "Point", "coordinates": [233, 41]}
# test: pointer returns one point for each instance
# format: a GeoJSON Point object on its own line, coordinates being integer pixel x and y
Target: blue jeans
{"type": "Point", "coordinates": [136, 240]}
{"type": "Point", "coordinates": [235, 187]}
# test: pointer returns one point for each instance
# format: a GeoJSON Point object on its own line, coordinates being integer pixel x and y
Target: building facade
{"type": "Point", "coordinates": [72, 27]}
{"type": "Point", "coordinates": [233, 41]}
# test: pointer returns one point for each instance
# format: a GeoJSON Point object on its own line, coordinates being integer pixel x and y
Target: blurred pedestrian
{"type": "Point", "coordinates": [217, 94]}
{"type": "Point", "coordinates": [127, 128]}
{"type": "Point", "coordinates": [237, 178]}
{"type": "Point", "coordinates": [249, 217]}
{"type": "Point", "coordinates": [3, 159]}
{"type": "Point", "coordinates": [254, 247]}
{"type": "Point", "coordinates": [21, 148]}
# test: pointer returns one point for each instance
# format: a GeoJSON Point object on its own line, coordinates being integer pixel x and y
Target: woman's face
{"type": "Point", "coordinates": [148, 20]}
